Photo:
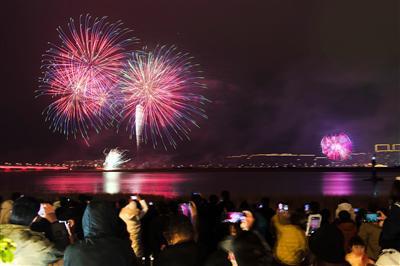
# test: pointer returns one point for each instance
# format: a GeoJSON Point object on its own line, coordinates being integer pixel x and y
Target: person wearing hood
{"type": "Point", "coordinates": [131, 214]}
{"type": "Point", "coordinates": [101, 246]}
{"type": "Point", "coordinates": [344, 205]}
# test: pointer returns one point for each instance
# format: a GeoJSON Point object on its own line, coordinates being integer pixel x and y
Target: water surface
{"type": "Point", "coordinates": [172, 184]}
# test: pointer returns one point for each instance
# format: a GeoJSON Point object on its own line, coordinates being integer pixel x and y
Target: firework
{"type": "Point", "coordinates": [337, 147]}
{"type": "Point", "coordinates": [160, 94]}
{"type": "Point", "coordinates": [81, 76]}
{"type": "Point", "coordinates": [139, 124]}
{"type": "Point", "coordinates": [114, 159]}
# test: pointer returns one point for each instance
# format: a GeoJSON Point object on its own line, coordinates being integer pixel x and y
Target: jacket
{"type": "Point", "coordinates": [390, 237]}
{"type": "Point", "coordinates": [182, 254]}
{"type": "Point", "coordinates": [100, 247]}
{"type": "Point", "coordinates": [327, 245]}
{"type": "Point", "coordinates": [131, 215]}
{"type": "Point", "coordinates": [291, 245]}
{"type": "Point", "coordinates": [349, 230]}
{"type": "Point", "coordinates": [32, 248]}
{"type": "Point", "coordinates": [370, 233]}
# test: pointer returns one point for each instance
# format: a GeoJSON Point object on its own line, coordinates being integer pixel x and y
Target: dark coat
{"type": "Point", "coordinates": [100, 246]}
{"type": "Point", "coordinates": [390, 236]}
{"type": "Point", "coordinates": [327, 244]}
{"type": "Point", "coordinates": [349, 230]}
{"type": "Point", "coordinates": [182, 254]}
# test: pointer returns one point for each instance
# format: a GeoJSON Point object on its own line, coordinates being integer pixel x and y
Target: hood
{"type": "Point", "coordinates": [345, 207]}
{"type": "Point", "coordinates": [99, 220]}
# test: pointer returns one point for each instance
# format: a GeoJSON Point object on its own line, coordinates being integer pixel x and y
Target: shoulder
{"type": "Point", "coordinates": [7, 204]}
{"type": "Point", "coordinates": [23, 233]}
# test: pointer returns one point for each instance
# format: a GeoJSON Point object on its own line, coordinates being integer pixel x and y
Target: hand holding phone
{"type": "Point", "coordinates": [283, 207]}
{"type": "Point", "coordinates": [371, 218]}
{"type": "Point", "coordinates": [134, 197]}
{"type": "Point", "coordinates": [184, 208]}
{"type": "Point", "coordinates": [234, 217]}
{"type": "Point", "coordinates": [247, 221]}
{"type": "Point", "coordinates": [47, 211]}
{"type": "Point", "coordinates": [307, 208]}
{"type": "Point", "coordinates": [313, 223]}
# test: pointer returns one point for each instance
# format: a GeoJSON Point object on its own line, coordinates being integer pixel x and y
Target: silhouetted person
{"type": "Point", "coordinates": [390, 237]}
{"type": "Point", "coordinates": [32, 248]}
{"type": "Point", "coordinates": [226, 204]}
{"type": "Point", "coordinates": [181, 249]}
{"type": "Point", "coordinates": [100, 246]}
{"type": "Point", "coordinates": [250, 250]}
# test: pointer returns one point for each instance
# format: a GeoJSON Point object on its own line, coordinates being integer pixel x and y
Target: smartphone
{"type": "Point", "coordinates": [313, 223]}
{"type": "Point", "coordinates": [260, 206]}
{"type": "Point", "coordinates": [151, 203]}
{"type": "Point", "coordinates": [371, 218]}
{"type": "Point", "coordinates": [134, 197]}
{"type": "Point", "coordinates": [307, 208]}
{"type": "Point", "coordinates": [356, 210]}
{"type": "Point", "coordinates": [65, 223]}
{"type": "Point", "coordinates": [185, 209]}
{"type": "Point", "coordinates": [41, 211]}
{"type": "Point", "coordinates": [283, 207]}
{"type": "Point", "coordinates": [60, 234]}
{"type": "Point", "coordinates": [234, 217]}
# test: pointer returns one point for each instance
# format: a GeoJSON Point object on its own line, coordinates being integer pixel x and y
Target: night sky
{"type": "Point", "coordinates": [280, 74]}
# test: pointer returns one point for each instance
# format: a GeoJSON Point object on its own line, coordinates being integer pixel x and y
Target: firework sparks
{"type": "Point", "coordinates": [81, 76]}
{"type": "Point", "coordinates": [114, 159]}
{"type": "Point", "coordinates": [139, 124]}
{"type": "Point", "coordinates": [159, 89]}
{"type": "Point", "coordinates": [337, 147]}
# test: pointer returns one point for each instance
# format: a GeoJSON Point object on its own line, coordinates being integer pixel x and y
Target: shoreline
{"type": "Point", "coordinates": [228, 169]}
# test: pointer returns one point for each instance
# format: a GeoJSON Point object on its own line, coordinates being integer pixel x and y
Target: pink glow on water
{"type": "Point", "coordinates": [163, 184]}
{"type": "Point", "coordinates": [337, 184]}
{"type": "Point", "coordinates": [68, 184]}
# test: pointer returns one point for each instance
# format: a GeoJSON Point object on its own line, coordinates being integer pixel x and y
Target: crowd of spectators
{"type": "Point", "coordinates": [211, 231]}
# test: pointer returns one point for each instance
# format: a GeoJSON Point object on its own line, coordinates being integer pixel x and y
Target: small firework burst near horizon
{"type": "Point", "coordinates": [337, 147]}
{"type": "Point", "coordinates": [161, 90]}
{"type": "Point", "coordinates": [81, 76]}
{"type": "Point", "coordinates": [114, 159]}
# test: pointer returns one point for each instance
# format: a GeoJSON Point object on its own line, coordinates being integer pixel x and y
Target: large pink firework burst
{"type": "Point", "coordinates": [337, 147]}
{"type": "Point", "coordinates": [161, 95]}
{"type": "Point", "coordinates": [81, 76]}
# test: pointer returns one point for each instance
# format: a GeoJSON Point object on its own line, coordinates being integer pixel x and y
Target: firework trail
{"type": "Point", "coordinates": [81, 76]}
{"type": "Point", "coordinates": [161, 101]}
{"type": "Point", "coordinates": [139, 113]}
{"type": "Point", "coordinates": [337, 147]}
{"type": "Point", "coordinates": [114, 159]}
